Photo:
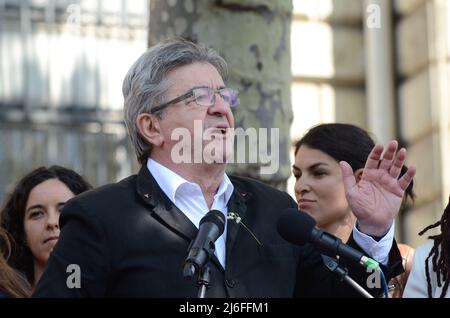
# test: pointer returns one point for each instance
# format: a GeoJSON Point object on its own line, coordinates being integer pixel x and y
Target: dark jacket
{"type": "Point", "coordinates": [129, 240]}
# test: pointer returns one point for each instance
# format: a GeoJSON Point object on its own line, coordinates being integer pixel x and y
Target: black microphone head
{"type": "Point", "coordinates": [296, 226]}
{"type": "Point", "coordinates": [216, 217]}
{"type": "Point", "coordinates": [210, 228]}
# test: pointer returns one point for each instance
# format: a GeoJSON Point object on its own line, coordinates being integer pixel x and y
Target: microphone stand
{"type": "Point", "coordinates": [334, 267]}
{"type": "Point", "coordinates": [204, 277]}
{"type": "Point", "coordinates": [203, 273]}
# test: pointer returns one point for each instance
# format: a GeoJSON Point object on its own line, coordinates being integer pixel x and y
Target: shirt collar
{"type": "Point", "coordinates": [170, 182]}
{"type": "Point", "coordinates": [226, 188]}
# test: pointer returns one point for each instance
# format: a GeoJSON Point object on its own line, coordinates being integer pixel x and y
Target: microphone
{"type": "Point", "coordinates": [211, 227]}
{"type": "Point", "coordinates": [297, 227]}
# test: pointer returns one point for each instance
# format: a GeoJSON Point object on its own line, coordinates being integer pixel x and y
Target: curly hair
{"type": "Point", "coordinates": [12, 215]}
{"type": "Point", "coordinates": [439, 254]}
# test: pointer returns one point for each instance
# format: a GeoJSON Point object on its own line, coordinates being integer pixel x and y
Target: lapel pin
{"type": "Point", "coordinates": [236, 218]}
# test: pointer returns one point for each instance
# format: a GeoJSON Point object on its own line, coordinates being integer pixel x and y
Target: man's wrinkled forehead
{"type": "Point", "coordinates": [194, 75]}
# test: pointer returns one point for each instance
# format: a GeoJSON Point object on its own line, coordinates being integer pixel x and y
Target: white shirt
{"type": "Point", "coordinates": [188, 197]}
{"type": "Point", "coordinates": [378, 251]}
{"type": "Point", "coordinates": [417, 286]}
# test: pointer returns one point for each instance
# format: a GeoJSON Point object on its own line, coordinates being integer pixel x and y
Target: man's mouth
{"type": "Point", "coordinates": [218, 130]}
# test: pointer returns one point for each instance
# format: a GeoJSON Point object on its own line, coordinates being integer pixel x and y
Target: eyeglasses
{"type": "Point", "coordinates": [204, 96]}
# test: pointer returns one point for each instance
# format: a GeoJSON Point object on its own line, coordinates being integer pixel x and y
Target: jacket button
{"type": "Point", "coordinates": [230, 283]}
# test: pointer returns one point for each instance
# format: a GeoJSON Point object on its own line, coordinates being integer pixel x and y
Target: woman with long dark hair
{"type": "Point", "coordinates": [31, 216]}
{"type": "Point", "coordinates": [319, 187]}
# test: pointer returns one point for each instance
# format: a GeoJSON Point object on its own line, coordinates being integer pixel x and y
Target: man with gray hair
{"type": "Point", "coordinates": [131, 238]}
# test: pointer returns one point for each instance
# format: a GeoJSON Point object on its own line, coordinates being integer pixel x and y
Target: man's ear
{"type": "Point", "coordinates": [149, 128]}
{"type": "Point", "coordinates": [358, 174]}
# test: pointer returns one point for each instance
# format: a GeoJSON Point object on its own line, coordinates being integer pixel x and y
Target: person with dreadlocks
{"type": "Point", "coordinates": [430, 275]}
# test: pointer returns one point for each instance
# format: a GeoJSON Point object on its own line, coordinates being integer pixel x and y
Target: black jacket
{"type": "Point", "coordinates": [129, 240]}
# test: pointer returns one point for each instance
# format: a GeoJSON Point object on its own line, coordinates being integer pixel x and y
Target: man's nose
{"type": "Point", "coordinates": [220, 106]}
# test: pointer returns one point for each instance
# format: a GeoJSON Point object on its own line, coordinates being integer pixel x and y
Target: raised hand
{"type": "Point", "coordinates": [376, 198]}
